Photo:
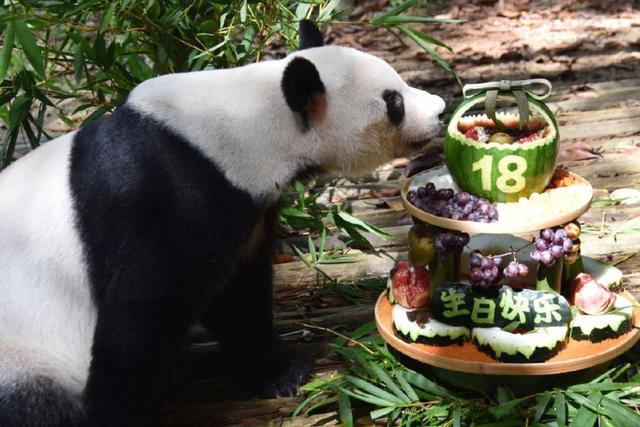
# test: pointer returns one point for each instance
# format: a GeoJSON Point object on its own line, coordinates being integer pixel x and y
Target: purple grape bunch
{"type": "Point", "coordinates": [445, 203]}
{"type": "Point", "coordinates": [514, 269]}
{"type": "Point", "coordinates": [484, 270]}
{"type": "Point", "coordinates": [450, 242]}
{"type": "Point", "coordinates": [551, 245]}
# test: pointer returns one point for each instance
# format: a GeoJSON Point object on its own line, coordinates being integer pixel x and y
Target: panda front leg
{"type": "Point", "coordinates": [242, 320]}
{"type": "Point", "coordinates": [137, 339]}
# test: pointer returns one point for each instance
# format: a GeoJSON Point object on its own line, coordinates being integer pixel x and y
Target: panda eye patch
{"type": "Point", "coordinates": [395, 106]}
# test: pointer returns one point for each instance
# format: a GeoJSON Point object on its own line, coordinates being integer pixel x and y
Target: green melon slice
{"type": "Point", "coordinates": [599, 327]}
{"type": "Point", "coordinates": [433, 332]}
{"type": "Point", "coordinates": [536, 346]}
{"type": "Point", "coordinates": [501, 172]}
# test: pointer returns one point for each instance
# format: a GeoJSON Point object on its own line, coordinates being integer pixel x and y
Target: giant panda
{"type": "Point", "coordinates": [114, 239]}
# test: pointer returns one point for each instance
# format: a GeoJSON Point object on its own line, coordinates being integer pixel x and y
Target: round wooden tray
{"type": "Point", "coordinates": [577, 355]}
{"type": "Point", "coordinates": [441, 177]}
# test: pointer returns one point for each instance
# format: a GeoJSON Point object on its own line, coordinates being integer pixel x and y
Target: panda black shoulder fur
{"type": "Point", "coordinates": [116, 238]}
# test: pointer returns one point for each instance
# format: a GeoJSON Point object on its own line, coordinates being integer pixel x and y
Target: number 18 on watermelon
{"type": "Point", "coordinates": [502, 155]}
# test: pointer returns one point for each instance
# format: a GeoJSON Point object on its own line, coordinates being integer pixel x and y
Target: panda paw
{"type": "Point", "coordinates": [287, 371]}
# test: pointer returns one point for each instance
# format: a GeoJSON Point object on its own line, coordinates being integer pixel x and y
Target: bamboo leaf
{"type": "Point", "coordinates": [430, 50]}
{"type": "Point", "coordinates": [561, 409]}
{"type": "Point", "coordinates": [18, 112]}
{"type": "Point", "coordinates": [78, 62]}
{"type": "Point", "coordinates": [406, 387]}
{"type": "Point", "coordinates": [362, 224]}
{"type": "Point", "coordinates": [107, 17]}
{"type": "Point", "coordinates": [99, 112]}
{"type": "Point", "coordinates": [457, 414]}
{"type": "Point", "coordinates": [381, 412]}
{"type": "Point", "coordinates": [344, 410]}
{"type": "Point", "coordinates": [379, 19]}
{"type": "Point", "coordinates": [591, 402]}
{"type": "Point", "coordinates": [604, 386]}
{"type": "Point", "coordinates": [373, 390]}
{"type": "Point", "coordinates": [404, 19]}
{"type": "Point", "coordinates": [585, 417]}
{"type": "Point", "coordinates": [243, 11]}
{"type": "Point", "coordinates": [425, 384]}
{"type": "Point", "coordinates": [27, 41]}
{"type": "Point", "coordinates": [503, 409]}
{"type": "Point", "coordinates": [542, 406]}
{"type": "Point", "coordinates": [363, 330]}
{"type": "Point", "coordinates": [366, 398]}
{"type": "Point", "coordinates": [312, 249]}
{"type": "Point", "coordinates": [388, 381]}
{"type": "Point", "coordinates": [305, 402]}
{"type": "Point", "coordinates": [7, 48]}
{"type": "Point", "coordinates": [301, 255]}
{"type": "Point", "coordinates": [429, 38]}
{"type": "Point", "coordinates": [327, 10]}
{"type": "Point", "coordinates": [323, 240]}
{"type": "Point", "coordinates": [620, 414]}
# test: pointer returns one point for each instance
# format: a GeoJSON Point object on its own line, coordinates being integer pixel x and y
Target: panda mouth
{"type": "Point", "coordinates": [419, 141]}
{"type": "Point", "coordinates": [423, 139]}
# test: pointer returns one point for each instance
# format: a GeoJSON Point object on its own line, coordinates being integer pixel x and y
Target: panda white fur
{"type": "Point", "coordinates": [116, 238]}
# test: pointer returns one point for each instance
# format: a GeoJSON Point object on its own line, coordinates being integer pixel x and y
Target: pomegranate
{"type": "Point", "coordinates": [410, 285]}
{"type": "Point", "coordinates": [590, 296]}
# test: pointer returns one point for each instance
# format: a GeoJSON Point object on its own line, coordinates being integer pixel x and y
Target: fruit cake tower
{"type": "Point", "coordinates": [515, 299]}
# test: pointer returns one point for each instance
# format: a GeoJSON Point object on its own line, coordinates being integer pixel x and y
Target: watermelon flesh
{"type": "Point", "coordinates": [482, 129]}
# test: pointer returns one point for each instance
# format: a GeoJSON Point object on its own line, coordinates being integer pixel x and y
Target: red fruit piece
{"type": "Point", "coordinates": [577, 284]}
{"type": "Point", "coordinates": [591, 297]}
{"type": "Point", "coordinates": [471, 134]}
{"type": "Point", "coordinates": [529, 138]}
{"type": "Point", "coordinates": [411, 286]}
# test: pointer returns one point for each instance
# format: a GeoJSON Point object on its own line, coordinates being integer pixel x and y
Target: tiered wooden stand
{"type": "Point", "coordinates": [497, 238]}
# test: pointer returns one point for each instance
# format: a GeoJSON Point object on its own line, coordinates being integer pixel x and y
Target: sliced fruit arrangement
{"type": "Point", "coordinates": [503, 159]}
{"type": "Point", "coordinates": [482, 129]}
{"type": "Point", "coordinates": [461, 304]}
{"type": "Point", "coordinates": [550, 248]}
{"type": "Point", "coordinates": [410, 286]}
{"type": "Point", "coordinates": [590, 296]}
{"type": "Point", "coordinates": [612, 323]}
{"type": "Point", "coordinates": [422, 248]}
{"type": "Point", "coordinates": [562, 195]}
{"type": "Point", "coordinates": [483, 270]}
{"type": "Point", "coordinates": [417, 326]}
{"type": "Point", "coordinates": [446, 203]}
{"type": "Point", "coordinates": [538, 345]}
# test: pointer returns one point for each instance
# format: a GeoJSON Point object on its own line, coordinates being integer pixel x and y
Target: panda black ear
{"type": "Point", "coordinates": [310, 35]}
{"type": "Point", "coordinates": [303, 89]}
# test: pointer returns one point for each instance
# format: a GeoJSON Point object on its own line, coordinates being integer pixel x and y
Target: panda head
{"type": "Point", "coordinates": [354, 108]}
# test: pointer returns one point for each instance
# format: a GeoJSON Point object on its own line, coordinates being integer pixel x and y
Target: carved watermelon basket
{"type": "Point", "coordinates": [484, 290]}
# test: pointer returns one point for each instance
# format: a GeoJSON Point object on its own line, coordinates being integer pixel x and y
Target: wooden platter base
{"type": "Point", "coordinates": [577, 355]}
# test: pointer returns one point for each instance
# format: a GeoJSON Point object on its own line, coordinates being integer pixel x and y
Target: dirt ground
{"type": "Point", "coordinates": [562, 40]}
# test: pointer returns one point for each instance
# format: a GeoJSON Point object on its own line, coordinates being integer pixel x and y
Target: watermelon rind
{"type": "Point", "coordinates": [433, 332]}
{"type": "Point", "coordinates": [599, 327]}
{"type": "Point", "coordinates": [538, 345]}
